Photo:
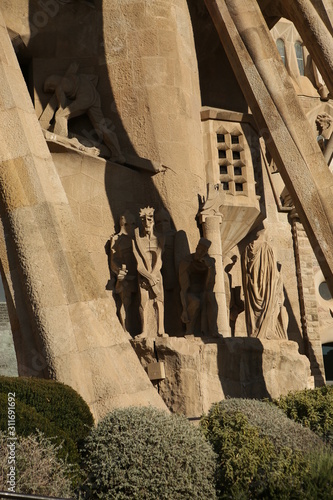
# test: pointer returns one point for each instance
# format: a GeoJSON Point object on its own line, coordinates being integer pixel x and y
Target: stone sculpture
{"type": "Point", "coordinates": [77, 95]}
{"type": "Point", "coordinates": [148, 246]}
{"type": "Point", "coordinates": [197, 277]}
{"type": "Point", "coordinates": [323, 124]}
{"type": "Point", "coordinates": [175, 250]}
{"type": "Point", "coordinates": [123, 267]}
{"type": "Point", "coordinates": [263, 291]}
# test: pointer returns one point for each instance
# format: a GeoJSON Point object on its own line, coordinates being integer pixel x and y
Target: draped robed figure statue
{"type": "Point", "coordinates": [266, 316]}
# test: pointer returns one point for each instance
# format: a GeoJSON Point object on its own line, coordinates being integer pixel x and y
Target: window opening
{"type": "Point", "coordinates": [282, 50]}
{"type": "Point", "coordinates": [299, 57]}
{"type": "Point", "coordinates": [328, 361]}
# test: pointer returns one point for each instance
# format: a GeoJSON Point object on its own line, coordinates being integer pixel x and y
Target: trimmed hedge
{"type": "Point", "coordinates": [313, 408]}
{"type": "Point", "coordinates": [258, 456]}
{"type": "Point", "coordinates": [57, 402]}
{"type": "Point", "coordinates": [144, 453]}
{"type": "Point", "coordinates": [272, 423]}
{"type": "Point", "coordinates": [51, 407]}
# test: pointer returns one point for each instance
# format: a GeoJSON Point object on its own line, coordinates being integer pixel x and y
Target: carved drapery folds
{"type": "Point", "coordinates": [266, 317]}
{"type": "Point", "coordinates": [176, 248]}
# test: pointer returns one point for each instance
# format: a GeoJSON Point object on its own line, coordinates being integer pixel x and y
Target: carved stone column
{"type": "Point", "coordinates": [307, 299]}
{"type": "Point", "coordinates": [211, 220]}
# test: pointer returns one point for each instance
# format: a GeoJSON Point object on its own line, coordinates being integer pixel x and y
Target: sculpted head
{"type": "Point", "coordinates": [127, 223]}
{"type": "Point", "coordinates": [162, 221]}
{"type": "Point", "coordinates": [323, 122]}
{"type": "Point", "coordinates": [147, 219]}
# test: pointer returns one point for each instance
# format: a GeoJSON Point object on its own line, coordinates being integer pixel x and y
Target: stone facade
{"type": "Point", "coordinates": [127, 107]}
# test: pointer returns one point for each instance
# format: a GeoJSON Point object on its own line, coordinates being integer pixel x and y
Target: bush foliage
{"type": "Point", "coordinates": [312, 408]}
{"type": "Point", "coordinates": [51, 407]}
{"type": "Point", "coordinates": [38, 470]}
{"type": "Point", "coordinates": [258, 457]}
{"type": "Point", "coordinates": [57, 402]}
{"type": "Point", "coordinates": [272, 423]}
{"type": "Point", "coordinates": [144, 453]}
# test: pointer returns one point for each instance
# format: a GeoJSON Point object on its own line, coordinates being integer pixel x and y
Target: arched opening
{"type": "Point", "coordinates": [328, 361]}
{"type": "Point", "coordinates": [299, 57]}
{"type": "Point", "coordinates": [282, 49]}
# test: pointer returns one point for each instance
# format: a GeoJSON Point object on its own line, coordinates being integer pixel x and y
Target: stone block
{"type": "Point", "coordinates": [200, 372]}
{"type": "Point", "coordinates": [156, 371]}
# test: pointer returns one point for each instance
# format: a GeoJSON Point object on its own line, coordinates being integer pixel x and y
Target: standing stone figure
{"type": "Point", "coordinates": [175, 250]}
{"type": "Point", "coordinates": [323, 124]}
{"type": "Point", "coordinates": [77, 95]}
{"type": "Point", "coordinates": [263, 291]}
{"type": "Point", "coordinates": [148, 246]}
{"type": "Point", "coordinates": [123, 267]}
{"type": "Point", "coordinates": [197, 278]}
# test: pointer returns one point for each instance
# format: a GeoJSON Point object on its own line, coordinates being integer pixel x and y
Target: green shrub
{"type": "Point", "coordinates": [254, 461]}
{"type": "Point", "coordinates": [51, 407]}
{"type": "Point", "coordinates": [57, 402]}
{"type": "Point", "coordinates": [312, 408]}
{"type": "Point", "coordinates": [272, 423]}
{"type": "Point", "coordinates": [37, 469]}
{"type": "Point", "coordinates": [28, 420]}
{"type": "Point", "coordinates": [144, 453]}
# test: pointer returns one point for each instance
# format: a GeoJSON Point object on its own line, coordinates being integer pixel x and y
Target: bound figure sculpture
{"type": "Point", "coordinates": [148, 246]}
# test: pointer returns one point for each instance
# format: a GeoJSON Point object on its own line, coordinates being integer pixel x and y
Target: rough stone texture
{"type": "Point", "coordinates": [8, 363]}
{"type": "Point", "coordinates": [307, 291]}
{"type": "Point", "coordinates": [152, 68]}
{"type": "Point", "coordinates": [73, 323]}
{"type": "Point", "coordinates": [53, 261]}
{"type": "Point", "coordinates": [199, 373]}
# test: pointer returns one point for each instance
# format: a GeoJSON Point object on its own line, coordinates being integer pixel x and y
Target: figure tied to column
{"type": "Point", "coordinates": [148, 246]}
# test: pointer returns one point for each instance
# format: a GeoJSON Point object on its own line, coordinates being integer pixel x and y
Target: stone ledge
{"type": "Point", "coordinates": [200, 372]}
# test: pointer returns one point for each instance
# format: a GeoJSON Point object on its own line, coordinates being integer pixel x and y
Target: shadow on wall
{"type": "Point", "coordinates": [240, 365]}
{"type": "Point", "coordinates": [73, 31]}
{"type": "Point", "coordinates": [219, 86]}
{"type": "Point", "coordinates": [65, 32]}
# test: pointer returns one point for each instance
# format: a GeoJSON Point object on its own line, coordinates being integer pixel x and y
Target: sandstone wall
{"type": "Point", "coordinates": [73, 324]}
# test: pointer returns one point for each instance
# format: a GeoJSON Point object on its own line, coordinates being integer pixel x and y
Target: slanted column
{"type": "Point", "coordinates": [73, 324]}
{"type": "Point", "coordinates": [307, 298]}
{"type": "Point", "coordinates": [280, 118]}
{"type": "Point", "coordinates": [211, 220]}
{"type": "Point", "coordinates": [315, 35]}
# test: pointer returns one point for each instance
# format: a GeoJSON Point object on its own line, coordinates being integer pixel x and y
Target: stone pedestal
{"type": "Point", "coordinates": [200, 372]}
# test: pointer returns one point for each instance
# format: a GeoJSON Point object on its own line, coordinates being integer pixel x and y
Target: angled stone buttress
{"type": "Point", "coordinates": [279, 117]}
{"type": "Point", "coordinates": [65, 317]}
